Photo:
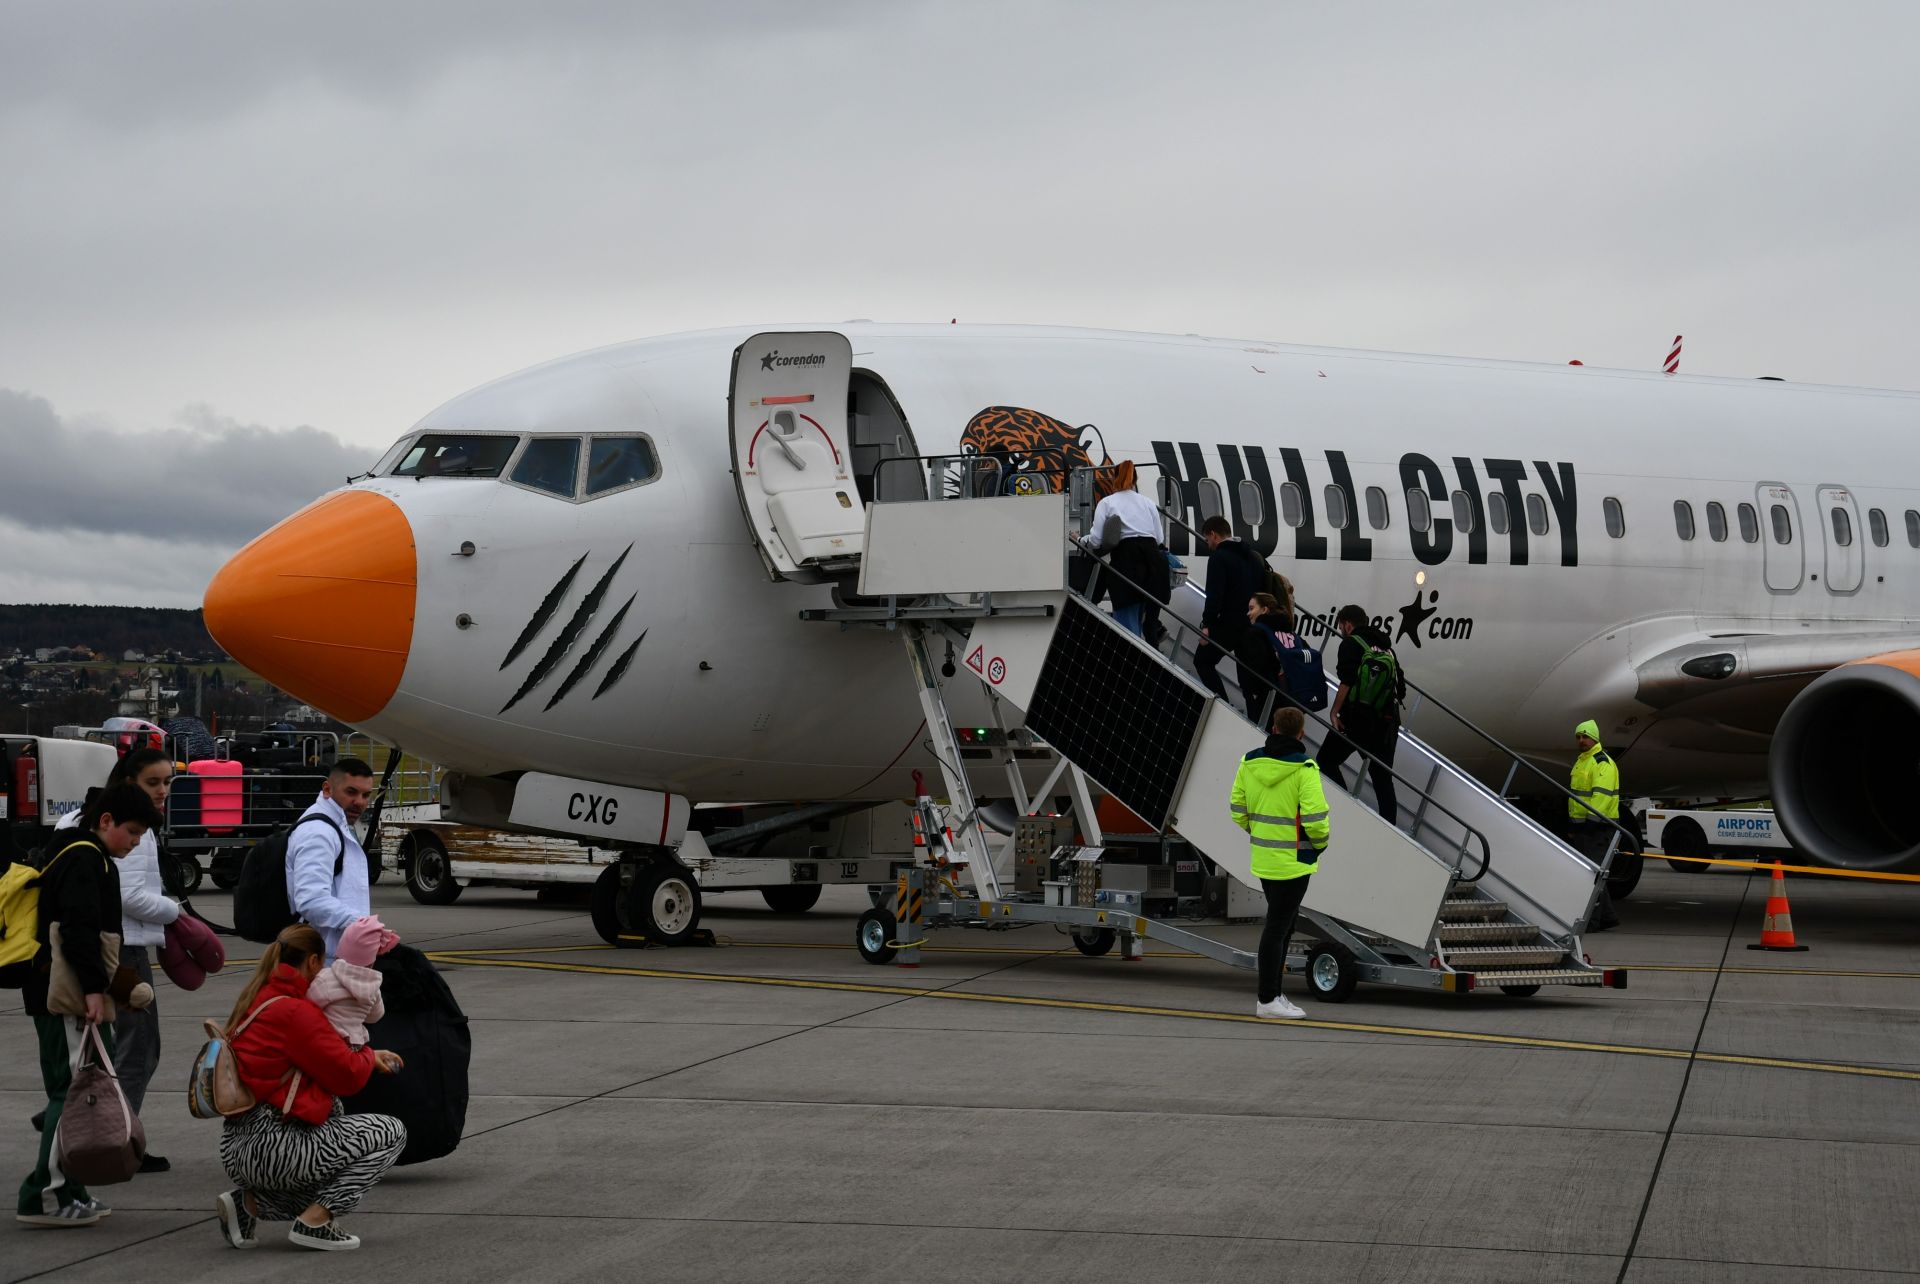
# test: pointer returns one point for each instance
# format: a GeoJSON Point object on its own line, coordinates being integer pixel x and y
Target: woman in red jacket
{"type": "Point", "coordinates": [295, 1156]}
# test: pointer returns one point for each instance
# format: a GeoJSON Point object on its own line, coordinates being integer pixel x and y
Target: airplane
{"type": "Point", "coordinates": [579, 588]}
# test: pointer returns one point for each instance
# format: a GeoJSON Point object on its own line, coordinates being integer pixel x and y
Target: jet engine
{"type": "Point", "coordinates": [1845, 765]}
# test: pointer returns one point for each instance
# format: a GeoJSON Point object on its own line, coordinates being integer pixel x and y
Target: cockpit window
{"type": "Point", "coordinates": [437, 454]}
{"type": "Point", "coordinates": [551, 464]}
{"type": "Point", "coordinates": [614, 462]}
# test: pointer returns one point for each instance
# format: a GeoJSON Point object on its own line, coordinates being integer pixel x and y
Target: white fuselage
{"type": "Point", "coordinates": [732, 697]}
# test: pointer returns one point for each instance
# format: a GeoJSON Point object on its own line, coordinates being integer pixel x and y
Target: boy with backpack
{"type": "Point", "coordinates": [1366, 709]}
{"type": "Point", "coordinates": [65, 987]}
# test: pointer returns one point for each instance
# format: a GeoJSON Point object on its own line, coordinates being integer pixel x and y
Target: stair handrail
{"type": "Point", "coordinates": [1516, 758]}
{"type": "Point", "coordinates": [1471, 832]}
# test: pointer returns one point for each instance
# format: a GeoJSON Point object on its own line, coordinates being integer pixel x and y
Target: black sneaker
{"type": "Point", "coordinates": [328, 1238]}
{"type": "Point", "coordinates": [236, 1223]}
{"type": "Point", "coordinates": [155, 1164]}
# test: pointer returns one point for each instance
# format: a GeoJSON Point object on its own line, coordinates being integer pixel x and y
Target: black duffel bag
{"type": "Point", "coordinates": [427, 1028]}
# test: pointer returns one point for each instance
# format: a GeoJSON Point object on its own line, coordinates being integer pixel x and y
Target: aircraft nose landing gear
{"type": "Point", "coordinates": [648, 899]}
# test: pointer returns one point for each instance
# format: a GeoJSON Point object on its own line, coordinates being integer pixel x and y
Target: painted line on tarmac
{"type": "Point", "coordinates": [456, 959]}
{"type": "Point", "coordinates": [1180, 956]}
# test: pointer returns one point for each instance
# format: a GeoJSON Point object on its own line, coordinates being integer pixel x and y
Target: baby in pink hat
{"type": "Point", "coordinates": [348, 989]}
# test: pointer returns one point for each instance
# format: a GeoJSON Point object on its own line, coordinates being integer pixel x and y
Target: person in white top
{"type": "Point", "coordinates": [327, 899]}
{"type": "Point", "coordinates": [145, 912]}
{"type": "Point", "coordinates": [1128, 527]}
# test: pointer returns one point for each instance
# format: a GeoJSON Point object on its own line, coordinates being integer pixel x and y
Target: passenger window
{"type": "Point", "coordinates": [1913, 528]}
{"type": "Point", "coordinates": [1291, 511]}
{"type": "Point", "coordinates": [1497, 513]}
{"type": "Point", "coordinates": [1717, 522]}
{"type": "Point", "coordinates": [1420, 514]}
{"type": "Point", "coordinates": [1337, 513]}
{"type": "Point", "coordinates": [1842, 527]}
{"type": "Point", "coordinates": [1377, 515]}
{"type": "Point", "coordinates": [1616, 517]}
{"type": "Point", "coordinates": [1683, 518]}
{"type": "Point", "coordinates": [1213, 500]}
{"type": "Point", "coordinates": [551, 464]}
{"type": "Point", "coordinates": [1877, 526]}
{"type": "Point", "coordinates": [1536, 515]}
{"type": "Point", "coordinates": [615, 462]}
{"type": "Point", "coordinates": [439, 454]}
{"type": "Point", "coordinates": [1782, 524]}
{"type": "Point", "coordinates": [1462, 512]}
{"type": "Point", "coordinates": [1253, 505]}
{"type": "Point", "coordinates": [1749, 524]}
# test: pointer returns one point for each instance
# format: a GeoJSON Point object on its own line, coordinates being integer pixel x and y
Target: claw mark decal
{"type": "Point", "coordinates": [582, 615]}
{"type": "Point", "coordinates": [619, 669]}
{"type": "Point", "coordinates": [548, 605]}
{"type": "Point", "coordinates": [593, 654]}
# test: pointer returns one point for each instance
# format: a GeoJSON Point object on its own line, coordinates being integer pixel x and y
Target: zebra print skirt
{"type": "Point", "coordinates": [287, 1165]}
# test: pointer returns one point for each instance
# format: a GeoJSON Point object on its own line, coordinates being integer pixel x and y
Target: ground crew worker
{"type": "Point", "coordinates": [1594, 811]}
{"type": "Point", "coordinates": [1278, 800]}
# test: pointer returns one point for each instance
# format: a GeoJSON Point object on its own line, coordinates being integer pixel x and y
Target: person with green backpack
{"type": "Point", "coordinates": [1366, 710]}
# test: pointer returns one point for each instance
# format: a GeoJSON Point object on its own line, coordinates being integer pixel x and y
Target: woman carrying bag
{"type": "Point", "coordinates": [294, 1156]}
{"type": "Point", "coordinates": [145, 912]}
{"type": "Point", "coordinates": [80, 899]}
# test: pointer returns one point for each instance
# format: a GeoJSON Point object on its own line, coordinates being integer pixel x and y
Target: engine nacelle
{"type": "Point", "coordinates": [1845, 765]}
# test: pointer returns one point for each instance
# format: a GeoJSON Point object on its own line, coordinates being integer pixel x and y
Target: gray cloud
{"type": "Point", "coordinates": [207, 481]}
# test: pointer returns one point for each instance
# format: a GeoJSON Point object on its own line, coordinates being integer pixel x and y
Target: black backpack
{"type": "Point", "coordinates": [260, 908]}
{"type": "Point", "coordinates": [425, 1025]}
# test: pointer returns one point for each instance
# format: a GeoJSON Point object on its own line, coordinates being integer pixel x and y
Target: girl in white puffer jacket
{"type": "Point", "coordinates": [145, 912]}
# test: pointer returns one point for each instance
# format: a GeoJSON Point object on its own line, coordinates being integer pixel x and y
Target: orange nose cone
{"type": "Point", "coordinates": [322, 605]}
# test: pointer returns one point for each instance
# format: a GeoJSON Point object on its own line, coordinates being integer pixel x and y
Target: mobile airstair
{"type": "Point", "coordinates": [1465, 892]}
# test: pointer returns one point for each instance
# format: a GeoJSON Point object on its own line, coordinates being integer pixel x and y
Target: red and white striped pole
{"type": "Point", "coordinates": [1673, 358]}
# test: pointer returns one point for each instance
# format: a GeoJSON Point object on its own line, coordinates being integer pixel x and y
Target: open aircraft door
{"type": "Point", "coordinates": [792, 462]}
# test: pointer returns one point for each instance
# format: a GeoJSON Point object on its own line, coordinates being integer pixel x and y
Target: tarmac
{"type": "Point", "coordinates": [776, 1109]}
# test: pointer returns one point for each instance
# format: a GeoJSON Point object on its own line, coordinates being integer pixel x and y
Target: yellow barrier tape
{"type": "Point", "coordinates": [1868, 874]}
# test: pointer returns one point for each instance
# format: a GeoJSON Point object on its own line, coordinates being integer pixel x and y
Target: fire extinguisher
{"type": "Point", "coordinates": [26, 785]}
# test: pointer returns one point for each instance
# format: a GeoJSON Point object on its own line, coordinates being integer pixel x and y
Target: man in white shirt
{"type": "Point", "coordinates": [1128, 527]}
{"type": "Point", "coordinates": [331, 901]}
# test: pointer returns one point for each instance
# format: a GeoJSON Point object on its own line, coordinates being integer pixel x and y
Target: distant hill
{"type": "Point", "coordinates": [110, 631]}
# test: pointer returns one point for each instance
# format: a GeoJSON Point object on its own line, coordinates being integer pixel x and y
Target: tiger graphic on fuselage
{"type": "Point", "coordinates": [1034, 451]}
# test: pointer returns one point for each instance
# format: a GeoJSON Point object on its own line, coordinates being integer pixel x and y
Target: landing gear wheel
{"type": "Point", "coordinates": [1332, 972]}
{"type": "Point", "coordinates": [602, 906]}
{"type": "Point", "coordinates": [1520, 991]}
{"type": "Point", "coordinates": [874, 934]}
{"type": "Point", "coordinates": [429, 872]}
{"type": "Point", "coordinates": [1093, 942]}
{"type": "Point", "coordinates": [662, 904]}
{"type": "Point", "coordinates": [1685, 838]}
{"type": "Point", "coordinates": [186, 874]}
{"type": "Point", "coordinates": [794, 898]}
{"type": "Point", "coordinates": [1625, 874]}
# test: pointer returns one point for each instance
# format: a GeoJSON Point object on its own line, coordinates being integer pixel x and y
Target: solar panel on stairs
{"type": "Point", "coordinates": [1124, 716]}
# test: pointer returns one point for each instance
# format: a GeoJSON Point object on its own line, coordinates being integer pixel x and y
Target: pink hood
{"type": "Point", "coordinates": [350, 996]}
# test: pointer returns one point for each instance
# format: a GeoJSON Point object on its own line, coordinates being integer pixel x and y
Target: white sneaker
{"type": "Point", "coordinates": [1278, 1010]}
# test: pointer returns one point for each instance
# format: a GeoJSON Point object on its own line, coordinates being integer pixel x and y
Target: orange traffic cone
{"type": "Point", "coordinates": [1776, 930]}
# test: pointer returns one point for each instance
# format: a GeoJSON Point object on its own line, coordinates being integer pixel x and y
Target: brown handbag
{"type": "Point", "coordinates": [99, 1138]}
{"type": "Point", "coordinates": [64, 995]}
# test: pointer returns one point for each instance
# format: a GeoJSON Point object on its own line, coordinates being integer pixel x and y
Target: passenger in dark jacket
{"type": "Point", "coordinates": [1234, 574]}
{"type": "Point", "coordinates": [79, 890]}
{"type": "Point", "coordinates": [1356, 726]}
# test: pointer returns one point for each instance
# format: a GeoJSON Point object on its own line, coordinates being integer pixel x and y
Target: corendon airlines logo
{"type": "Point", "coordinates": [773, 360]}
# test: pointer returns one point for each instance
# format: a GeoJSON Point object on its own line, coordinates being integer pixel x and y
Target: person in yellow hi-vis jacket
{"type": "Point", "coordinates": [1593, 811]}
{"type": "Point", "coordinates": [1278, 800]}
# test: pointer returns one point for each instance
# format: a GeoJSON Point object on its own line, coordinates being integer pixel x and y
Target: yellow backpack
{"type": "Point", "coordinates": [20, 918]}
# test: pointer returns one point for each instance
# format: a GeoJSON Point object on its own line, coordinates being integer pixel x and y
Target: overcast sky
{"type": "Point", "coordinates": [244, 245]}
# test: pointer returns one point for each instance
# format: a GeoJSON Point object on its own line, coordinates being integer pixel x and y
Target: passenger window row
{"type": "Point", "coordinates": [1778, 517]}
{"type": "Point", "coordinates": [565, 467]}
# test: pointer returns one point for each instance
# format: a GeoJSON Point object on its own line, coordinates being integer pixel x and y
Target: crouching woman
{"type": "Point", "coordinates": [295, 1157]}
